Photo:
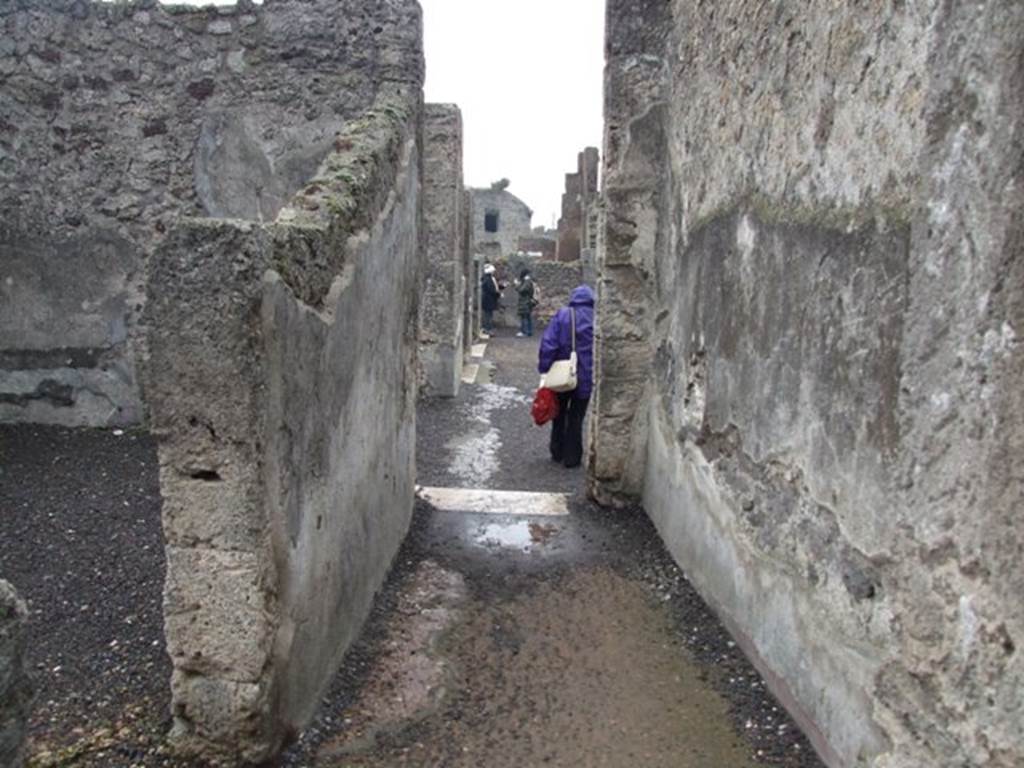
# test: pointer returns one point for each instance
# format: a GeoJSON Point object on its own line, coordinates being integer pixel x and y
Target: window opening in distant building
{"type": "Point", "coordinates": [491, 221]}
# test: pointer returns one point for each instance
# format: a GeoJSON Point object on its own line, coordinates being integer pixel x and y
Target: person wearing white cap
{"type": "Point", "coordinates": [489, 295]}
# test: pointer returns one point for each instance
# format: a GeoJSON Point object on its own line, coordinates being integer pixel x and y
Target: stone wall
{"type": "Point", "coordinates": [471, 310]}
{"type": "Point", "coordinates": [809, 367]}
{"type": "Point", "coordinates": [281, 378]}
{"type": "Point", "coordinates": [15, 687]}
{"type": "Point", "coordinates": [445, 268]}
{"type": "Point", "coordinates": [553, 281]}
{"type": "Point", "coordinates": [577, 200]}
{"type": "Point", "coordinates": [282, 385]}
{"type": "Point", "coordinates": [118, 118]}
{"type": "Point", "coordinates": [513, 222]}
{"type": "Point", "coordinates": [542, 244]}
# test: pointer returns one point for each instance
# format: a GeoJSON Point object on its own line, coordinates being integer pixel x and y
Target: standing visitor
{"type": "Point", "coordinates": [557, 344]}
{"type": "Point", "coordinates": [527, 302]}
{"type": "Point", "coordinates": [489, 295]}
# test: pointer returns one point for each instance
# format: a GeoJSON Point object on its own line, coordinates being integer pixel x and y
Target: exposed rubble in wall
{"type": "Point", "coordinates": [445, 259]}
{"type": "Point", "coordinates": [117, 118]}
{"type": "Point", "coordinates": [958, 669]}
{"type": "Point", "coordinates": [636, 79]}
{"type": "Point", "coordinates": [15, 687]}
{"type": "Point", "coordinates": [810, 242]}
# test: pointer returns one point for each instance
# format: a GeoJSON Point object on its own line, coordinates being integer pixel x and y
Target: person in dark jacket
{"type": "Point", "coordinates": [556, 344]}
{"type": "Point", "coordinates": [490, 293]}
{"type": "Point", "coordinates": [527, 301]}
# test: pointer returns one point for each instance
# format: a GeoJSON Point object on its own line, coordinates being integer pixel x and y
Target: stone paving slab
{"type": "Point", "coordinates": [485, 501]}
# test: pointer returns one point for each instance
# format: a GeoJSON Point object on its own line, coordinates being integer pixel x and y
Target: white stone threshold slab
{"type": "Point", "coordinates": [469, 373]}
{"type": "Point", "coordinates": [478, 350]}
{"type": "Point", "coordinates": [483, 501]}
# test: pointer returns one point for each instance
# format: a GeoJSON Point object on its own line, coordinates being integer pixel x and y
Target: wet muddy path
{"type": "Point", "coordinates": [536, 629]}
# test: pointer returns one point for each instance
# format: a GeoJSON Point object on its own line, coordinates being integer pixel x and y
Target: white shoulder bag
{"type": "Point", "coordinates": [561, 377]}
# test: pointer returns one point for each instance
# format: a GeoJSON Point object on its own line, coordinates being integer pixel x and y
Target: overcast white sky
{"type": "Point", "coordinates": [528, 77]}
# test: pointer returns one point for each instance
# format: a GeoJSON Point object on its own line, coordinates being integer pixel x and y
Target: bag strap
{"type": "Point", "coordinates": [572, 311]}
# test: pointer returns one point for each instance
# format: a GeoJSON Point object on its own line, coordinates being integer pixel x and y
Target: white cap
{"type": "Point", "coordinates": [488, 269]}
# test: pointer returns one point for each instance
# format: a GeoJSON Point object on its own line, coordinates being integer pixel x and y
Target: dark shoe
{"type": "Point", "coordinates": [556, 458]}
{"type": "Point", "coordinates": [572, 465]}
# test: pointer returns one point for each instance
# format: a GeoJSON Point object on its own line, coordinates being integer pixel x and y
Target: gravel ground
{"type": "Point", "coordinates": [562, 651]}
{"type": "Point", "coordinates": [506, 704]}
{"type": "Point", "coordinates": [82, 544]}
{"type": "Point", "coordinates": [585, 645]}
{"type": "Point", "coordinates": [522, 458]}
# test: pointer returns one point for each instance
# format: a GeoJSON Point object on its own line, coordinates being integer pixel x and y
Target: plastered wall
{"type": "Point", "coordinates": [809, 307]}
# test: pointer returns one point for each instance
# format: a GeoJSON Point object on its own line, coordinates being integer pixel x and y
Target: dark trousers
{"type": "Point", "coordinates": [567, 430]}
{"type": "Point", "coordinates": [488, 320]}
{"type": "Point", "coordinates": [526, 324]}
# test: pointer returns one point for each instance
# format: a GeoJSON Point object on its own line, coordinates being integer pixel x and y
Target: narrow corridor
{"type": "Point", "coordinates": [524, 626]}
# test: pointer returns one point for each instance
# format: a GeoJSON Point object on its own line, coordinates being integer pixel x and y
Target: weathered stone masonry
{"type": "Point", "coordinates": [115, 120]}
{"type": "Point", "coordinates": [275, 340]}
{"type": "Point", "coordinates": [812, 291]}
{"type": "Point", "coordinates": [446, 263]}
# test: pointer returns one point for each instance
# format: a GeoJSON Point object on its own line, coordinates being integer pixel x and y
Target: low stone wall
{"type": "Point", "coordinates": [445, 258]}
{"type": "Point", "coordinates": [118, 118]}
{"type": "Point", "coordinates": [554, 281]}
{"type": "Point", "coordinates": [809, 367]}
{"type": "Point", "coordinates": [15, 686]}
{"type": "Point", "coordinates": [282, 384]}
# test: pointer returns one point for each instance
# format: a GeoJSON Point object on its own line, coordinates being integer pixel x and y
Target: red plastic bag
{"type": "Point", "coordinates": [545, 406]}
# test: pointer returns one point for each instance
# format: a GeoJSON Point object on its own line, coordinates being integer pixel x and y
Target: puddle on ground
{"type": "Point", "coordinates": [521, 535]}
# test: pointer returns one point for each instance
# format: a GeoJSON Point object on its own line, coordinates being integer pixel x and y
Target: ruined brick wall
{"type": "Point", "coordinates": [443, 296]}
{"type": "Point", "coordinates": [116, 119]}
{"type": "Point", "coordinates": [15, 687]}
{"type": "Point", "coordinates": [809, 368]}
{"type": "Point", "coordinates": [580, 194]}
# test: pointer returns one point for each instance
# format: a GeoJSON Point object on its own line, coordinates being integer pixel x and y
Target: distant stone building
{"type": "Point", "coordinates": [578, 201]}
{"type": "Point", "coordinates": [498, 219]}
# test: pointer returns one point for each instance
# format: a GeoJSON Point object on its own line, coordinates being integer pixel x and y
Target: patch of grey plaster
{"type": "Point", "coordinates": [817, 247]}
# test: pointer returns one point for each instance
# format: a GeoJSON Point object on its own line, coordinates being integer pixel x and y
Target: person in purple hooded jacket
{"type": "Point", "coordinates": [556, 344]}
